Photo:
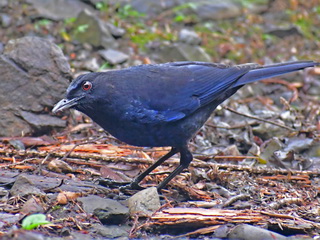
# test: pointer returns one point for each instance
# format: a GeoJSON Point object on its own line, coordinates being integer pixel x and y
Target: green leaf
{"type": "Point", "coordinates": [179, 18]}
{"type": "Point", "coordinates": [33, 221]}
{"type": "Point", "coordinates": [82, 28]}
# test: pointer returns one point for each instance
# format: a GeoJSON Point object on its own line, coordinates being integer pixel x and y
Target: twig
{"type": "Point", "coordinates": [259, 119]}
{"type": "Point", "coordinates": [78, 144]}
{"type": "Point", "coordinates": [196, 163]}
{"type": "Point", "coordinates": [18, 163]}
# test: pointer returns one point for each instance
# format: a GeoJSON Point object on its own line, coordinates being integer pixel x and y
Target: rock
{"type": "Point", "coordinates": [59, 9]}
{"type": "Point", "coordinates": [42, 121]}
{"type": "Point", "coordinates": [145, 202]}
{"type": "Point", "coordinates": [5, 20]}
{"type": "Point", "coordinates": [189, 37]}
{"type": "Point", "coordinates": [107, 210]}
{"type": "Point", "coordinates": [114, 57]}
{"type": "Point", "coordinates": [112, 231]}
{"type": "Point", "coordinates": [91, 64]}
{"type": "Point", "coordinates": [203, 9]}
{"type": "Point", "coordinates": [266, 131]}
{"type": "Point", "coordinates": [1, 47]}
{"type": "Point", "coordinates": [178, 52]}
{"type": "Point", "coordinates": [23, 186]}
{"type": "Point", "coordinates": [4, 3]}
{"type": "Point", "coordinates": [34, 76]}
{"type": "Point", "coordinates": [269, 147]}
{"type": "Point", "coordinates": [59, 166]}
{"type": "Point", "coordinates": [282, 32]}
{"type": "Point", "coordinates": [217, 10]}
{"type": "Point", "coordinates": [88, 28]}
{"type": "Point", "coordinates": [31, 206]}
{"type": "Point", "coordinates": [21, 234]}
{"type": "Point", "coordinates": [154, 7]}
{"type": "Point", "coordinates": [117, 32]}
{"type": "Point", "coordinates": [8, 219]}
{"type": "Point", "coordinates": [249, 232]}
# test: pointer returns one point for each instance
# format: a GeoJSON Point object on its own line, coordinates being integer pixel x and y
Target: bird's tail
{"type": "Point", "coordinates": [273, 70]}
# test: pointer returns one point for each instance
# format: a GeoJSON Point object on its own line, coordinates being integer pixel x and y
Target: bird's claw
{"type": "Point", "coordinates": [131, 186]}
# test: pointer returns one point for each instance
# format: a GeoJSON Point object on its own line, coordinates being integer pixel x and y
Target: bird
{"type": "Point", "coordinates": [163, 105]}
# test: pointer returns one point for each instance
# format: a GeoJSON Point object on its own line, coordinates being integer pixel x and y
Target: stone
{"type": "Point", "coordinates": [34, 75]}
{"type": "Point", "coordinates": [59, 9]}
{"type": "Point", "coordinates": [216, 9]}
{"type": "Point", "coordinates": [189, 37]}
{"type": "Point", "coordinates": [117, 32]}
{"type": "Point", "coordinates": [249, 232]}
{"type": "Point", "coordinates": [203, 9]}
{"type": "Point", "coordinates": [112, 231]}
{"type": "Point", "coordinates": [8, 219]}
{"type": "Point", "coordinates": [31, 206]}
{"type": "Point", "coordinates": [4, 3]}
{"type": "Point", "coordinates": [59, 166]}
{"type": "Point", "coordinates": [107, 210]}
{"type": "Point", "coordinates": [42, 120]}
{"type": "Point", "coordinates": [282, 32]}
{"type": "Point", "coordinates": [88, 28]}
{"type": "Point", "coordinates": [178, 52]}
{"type": "Point", "coordinates": [114, 57]}
{"type": "Point", "coordinates": [23, 186]}
{"type": "Point", "coordinates": [144, 203]}
{"type": "Point", "coordinates": [5, 20]}
{"type": "Point", "coordinates": [20, 234]}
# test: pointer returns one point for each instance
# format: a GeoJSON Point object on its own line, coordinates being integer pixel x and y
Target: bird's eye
{"type": "Point", "coordinates": [86, 86]}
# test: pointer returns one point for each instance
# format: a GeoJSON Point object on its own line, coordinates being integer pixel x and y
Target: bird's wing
{"type": "Point", "coordinates": [173, 91]}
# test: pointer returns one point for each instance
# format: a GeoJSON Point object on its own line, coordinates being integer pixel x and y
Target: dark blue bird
{"type": "Point", "coordinates": [163, 104]}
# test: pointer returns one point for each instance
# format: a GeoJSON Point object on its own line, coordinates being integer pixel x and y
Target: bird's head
{"type": "Point", "coordinates": [79, 93]}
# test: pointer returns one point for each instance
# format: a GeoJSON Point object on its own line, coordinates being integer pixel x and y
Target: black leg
{"type": "Point", "coordinates": [135, 183]}
{"type": "Point", "coordinates": [185, 159]}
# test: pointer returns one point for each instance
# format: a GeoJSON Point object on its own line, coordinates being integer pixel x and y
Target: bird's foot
{"type": "Point", "coordinates": [131, 186]}
{"type": "Point", "coordinates": [112, 184]}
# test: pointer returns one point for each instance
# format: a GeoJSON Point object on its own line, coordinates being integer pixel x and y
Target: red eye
{"type": "Point", "coordinates": [86, 86]}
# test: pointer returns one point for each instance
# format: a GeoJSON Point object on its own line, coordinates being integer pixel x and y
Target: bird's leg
{"type": "Point", "coordinates": [135, 183]}
{"type": "Point", "coordinates": [185, 159]}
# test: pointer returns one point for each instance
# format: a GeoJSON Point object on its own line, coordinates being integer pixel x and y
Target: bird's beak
{"type": "Point", "coordinates": [65, 103]}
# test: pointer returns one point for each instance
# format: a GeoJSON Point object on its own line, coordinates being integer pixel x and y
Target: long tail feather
{"type": "Point", "coordinates": [269, 71]}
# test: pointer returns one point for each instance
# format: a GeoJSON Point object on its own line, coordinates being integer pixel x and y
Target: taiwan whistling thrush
{"type": "Point", "coordinates": [163, 104]}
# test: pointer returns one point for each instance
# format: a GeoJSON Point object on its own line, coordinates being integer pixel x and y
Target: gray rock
{"type": "Point", "coordinates": [88, 28]}
{"type": "Point", "coordinates": [114, 57]}
{"type": "Point", "coordinates": [117, 32]}
{"type": "Point", "coordinates": [42, 121]}
{"type": "Point", "coordinates": [91, 64]}
{"type": "Point", "coordinates": [107, 210]}
{"type": "Point", "coordinates": [154, 7]}
{"type": "Point", "coordinates": [5, 20]}
{"type": "Point", "coordinates": [203, 9]}
{"type": "Point", "coordinates": [23, 186]}
{"type": "Point", "coordinates": [58, 9]}
{"type": "Point", "coordinates": [282, 32]}
{"type": "Point", "coordinates": [31, 206]}
{"type": "Point", "coordinates": [6, 219]}
{"type": "Point", "coordinates": [179, 52]}
{"type": "Point", "coordinates": [34, 76]}
{"type": "Point", "coordinates": [112, 231]}
{"type": "Point", "coordinates": [145, 202]}
{"type": "Point", "coordinates": [4, 3]}
{"type": "Point", "coordinates": [189, 37]}
{"type": "Point", "coordinates": [217, 9]}
{"type": "Point", "coordinates": [249, 232]}
{"type": "Point", "coordinates": [20, 234]}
